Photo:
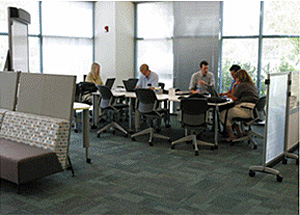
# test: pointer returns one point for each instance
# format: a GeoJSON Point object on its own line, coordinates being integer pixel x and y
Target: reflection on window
{"type": "Point", "coordinates": [34, 54]}
{"type": "Point", "coordinates": [3, 51]}
{"type": "Point", "coordinates": [67, 56]}
{"type": "Point", "coordinates": [155, 20]}
{"type": "Point", "coordinates": [282, 18]}
{"type": "Point", "coordinates": [241, 18]}
{"type": "Point", "coordinates": [242, 52]}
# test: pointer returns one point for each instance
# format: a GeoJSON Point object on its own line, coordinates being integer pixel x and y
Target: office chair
{"type": "Point", "coordinates": [148, 105]}
{"type": "Point", "coordinates": [193, 116]}
{"type": "Point", "coordinates": [258, 115]}
{"type": "Point", "coordinates": [162, 86]}
{"type": "Point", "coordinates": [109, 104]}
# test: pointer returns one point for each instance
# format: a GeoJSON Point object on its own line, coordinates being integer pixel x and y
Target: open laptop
{"type": "Point", "coordinates": [110, 82]}
{"type": "Point", "coordinates": [130, 84]}
{"type": "Point", "coordinates": [214, 96]}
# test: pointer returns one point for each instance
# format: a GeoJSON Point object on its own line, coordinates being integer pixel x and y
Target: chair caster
{"type": "Point", "coordinates": [76, 130]}
{"type": "Point", "coordinates": [88, 160]}
{"type": "Point", "coordinates": [150, 143]}
{"type": "Point", "coordinates": [93, 126]}
{"type": "Point", "coordinates": [173, 147]}
{"type": "Point", "coordinates": [284, 161]}
{"type": "Point", "coordinates": [168, 126]}
{"type": "Point", "coordinates": [169, 141]}
{"type": "Point", "coordinates": [216, 146]}
{"type": "Point", "coordinates": [196, 153]}
{"type": "Point", "coordinates": [125, 135]}
{"type": "Point", "coordinates": [133, 139]}
{"type": "Point", "coordinates": [251, 173]}
{"type": "Point", "coordinates": [114, 132]}
{"type": "Point", "coordinates": [212, 148]}
{"type": "Point", "coordinates": [98, 135]}
{"type": "Point", "coordinates": [255, 147]}
{"type": "Point", "coordinates": [279, 178]}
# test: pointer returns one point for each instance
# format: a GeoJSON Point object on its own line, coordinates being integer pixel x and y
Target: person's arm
{"type": "Point", "coordinates": [154, 82]}
{"type": "Point", "coordinates": [139, 83]}
{"type": "Point", "coordinates": [212, 80]}
{"type": "Point", "coordinates": [193, 84]}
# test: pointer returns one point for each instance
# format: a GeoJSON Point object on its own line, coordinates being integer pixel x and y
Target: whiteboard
{"type": "Point", "coordinates": [276, 116]}
{"type": "Point", "coordinates": [19, 40]}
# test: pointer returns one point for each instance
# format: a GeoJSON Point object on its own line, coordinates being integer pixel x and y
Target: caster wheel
{"type": "Point", "coordinates": [93, 127]}
{"type": "Point", "coordinates": [212, 148]}
{"type": "Point", "coordinates": [76, 130]}
{"type": "Point", "coordinates": [168, 126]}
{"type": "Point", "coordinates": [88, 160]}
{"type": "Point", "coordinates": [114, 132]}
{"type": "Point", "coordinates": [133, 139]}
{"type": "Point", "coordinates": [196, 153]}
{"type": "Point", "coordinates": [169, 141]}
{"type": "Point", "coordinates": [255, 147]}
{"type": "Point", "coordinates": [284, 161]}
{"type": "Point", "coordinates": [216, 146]}
{"type": "Point", "coordinates": [251, 173]}
{"type": "Point", "coordinates": [173, 147]}
{"type": "Point", "coordinates": [126, 135]}
{"type": "Point", "coordinates": [150, 144]}
{"type": "Point", "coordinates": [279, 178]}
{"type": "Point", "coordinates": [297, 162]}
{"type": "Point", "coordinates": [98, 135]}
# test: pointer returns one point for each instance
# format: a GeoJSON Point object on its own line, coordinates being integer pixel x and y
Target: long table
{"type": "Point", "coordinates": [161, 97]}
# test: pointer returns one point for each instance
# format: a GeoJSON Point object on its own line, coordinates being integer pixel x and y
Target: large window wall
{"type": "Point", "coordinates": [262, 39]}
{"type": "Point", "coordinates": [60, 36]}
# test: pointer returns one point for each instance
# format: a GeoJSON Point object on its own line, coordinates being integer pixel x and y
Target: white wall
{"type": "Point", "coordinates": [115, 49]}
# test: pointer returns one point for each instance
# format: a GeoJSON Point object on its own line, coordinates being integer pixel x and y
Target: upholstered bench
{"type": "Point", "coordinates": [32, 146]}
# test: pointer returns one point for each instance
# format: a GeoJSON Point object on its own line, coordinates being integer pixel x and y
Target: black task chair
{"type": "Point", "coordinates": [258, 115]}
{"type": "Point", "coordinates": [83, 88]}
{"type": "Point", "coordinates": [162, 86]}
{"type": "Point", "coordinates": [148, 106]}
{"type": "Point", "coordinates": [193, 116]}
{"type": "Point", "coordinates": [109, 104]}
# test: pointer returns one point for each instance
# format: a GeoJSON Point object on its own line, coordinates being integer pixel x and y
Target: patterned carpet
{"type": "Point", "coordinates": [130, 177]}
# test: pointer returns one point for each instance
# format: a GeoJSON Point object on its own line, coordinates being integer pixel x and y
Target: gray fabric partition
{"type": "Point", "coordinates": [8, 89]}
{"type": "Point", "coordinates": [196, 37]}
{"type": "Point", "coordinates": [45, 94]}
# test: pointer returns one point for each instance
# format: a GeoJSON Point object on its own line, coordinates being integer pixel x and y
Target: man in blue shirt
{"type": "Point", "coordinates": [233, 69]}
{"type": "Point", "coordinates": [148, 78]}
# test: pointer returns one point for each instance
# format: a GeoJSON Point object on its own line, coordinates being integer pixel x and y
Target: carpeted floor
{"type": "Point", "coordinates": [130, 177]}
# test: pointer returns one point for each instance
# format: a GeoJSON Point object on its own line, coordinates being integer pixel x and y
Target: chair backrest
{"type": "Point", "coordinates": [146, 100]}
{"type": "Point", "coordinates": [162, 85]}
{"type": "Point", "coordinates": [260, 108]}
{"type": "Point", "coordinates": [106, 96]}
{"type": "Point", "coordinates": [193, 111]}
{"type": "Point", "coordinates": [110, 82]}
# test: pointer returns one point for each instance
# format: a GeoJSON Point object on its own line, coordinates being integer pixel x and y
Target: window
{"type": "Point", "coordinates": [273, 25]}
{"type": "Point", "coordinates": [63, 37]}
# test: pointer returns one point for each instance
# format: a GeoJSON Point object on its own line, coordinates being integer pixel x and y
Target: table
{"type": "Point", "coordinates": [85, 126]}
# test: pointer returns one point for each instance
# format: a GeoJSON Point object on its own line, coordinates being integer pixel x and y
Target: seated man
{"type": "Point", "coordinates": [148, 78]}
{"type": "Point", "coordinates": [233, 69]}
{"type": "Point", "coordinates": [201, 79]}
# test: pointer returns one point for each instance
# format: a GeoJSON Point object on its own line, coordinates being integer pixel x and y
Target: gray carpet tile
{"type": "Point", "coordinates": [130, 177]}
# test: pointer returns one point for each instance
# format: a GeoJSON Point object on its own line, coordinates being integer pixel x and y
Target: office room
{"type": "Point", "coordinates": [117, 159]}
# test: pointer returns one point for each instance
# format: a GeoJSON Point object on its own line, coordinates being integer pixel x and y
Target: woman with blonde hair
{"type": "Point", "coordinates": [245, 97]}
{"type": "Point", "coordinates": [93, 77]}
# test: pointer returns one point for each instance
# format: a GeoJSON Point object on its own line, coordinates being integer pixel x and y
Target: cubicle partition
{"type": "Point", "coordinates": [47, 94]}
{"type": "Point", "coordinates": [8, 90]}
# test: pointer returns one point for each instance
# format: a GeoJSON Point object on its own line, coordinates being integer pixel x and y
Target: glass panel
{"type": "Point", "coordinates": [67, 18]}
{"type": "Point", "coordinates": [279, 55]}
{"type": "Point", "coordinates": [31, 7]}
{"type": "Point", "coordinates": [3, 51]}
{"type": "Point", "coordinates": [241, 18]}
{"type": "Point", "coordinates": [155, 20]}
{"type": "Point", "coordinates": [34, 55]}
{"type": "Point", "coordinates": [159, 56]}
{"type": "Point", "coordinates": [67, 56]}
{"type": "Point", "coordinates": [282, 17]}
{"type": "Point", "coordinates": [243, 52]}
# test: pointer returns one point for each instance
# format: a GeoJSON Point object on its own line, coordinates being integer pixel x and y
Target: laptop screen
{"type": "Point", "coordinates": [110, 82]}
{"type": "Point", "coordinates": [212, 91]}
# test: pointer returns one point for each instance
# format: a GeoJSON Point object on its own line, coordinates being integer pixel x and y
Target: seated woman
{"type": "Point", "coordinates": [93, 77]}
{"type": "Point", "coordinates": [245, 97]}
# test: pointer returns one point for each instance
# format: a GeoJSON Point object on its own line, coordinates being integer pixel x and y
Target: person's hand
{"type": "Point", "coordinates": [221, 94]}
{"type": "Point", "coordinates": [202, 82]}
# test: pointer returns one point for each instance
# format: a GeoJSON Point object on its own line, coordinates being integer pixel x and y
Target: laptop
{"type": "Point", "coordinates": [130, 84]}
{"type": "Point", "coordinates": [110, 82]}
{"type": "Point", "coordinates": [214, 96]}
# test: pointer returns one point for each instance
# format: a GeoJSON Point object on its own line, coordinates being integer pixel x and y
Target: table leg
{"type": "Point", "coordinates": [130, 115]}
{"type": "Point", "coordinates": [95, 99]}
{"type": "Point", "coordinates": [216, 126]}
{"type": "Point", "coordinates": [86, 132]}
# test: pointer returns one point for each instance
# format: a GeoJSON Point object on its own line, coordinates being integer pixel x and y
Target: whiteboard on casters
{"type": "Point", "coordinates": [276, 116]}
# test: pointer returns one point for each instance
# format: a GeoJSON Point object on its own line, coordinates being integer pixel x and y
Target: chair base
{"type": "Point", "coordinates": [112, 125]}
{"type": "Point", "coordinates": [152, 133]}
{"type": "Point", "coordinates": [264, 169]}
{"type": "Point", "coordinates": [196, 142]}
{"type": "Point", "coordinates": [249, 138]}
